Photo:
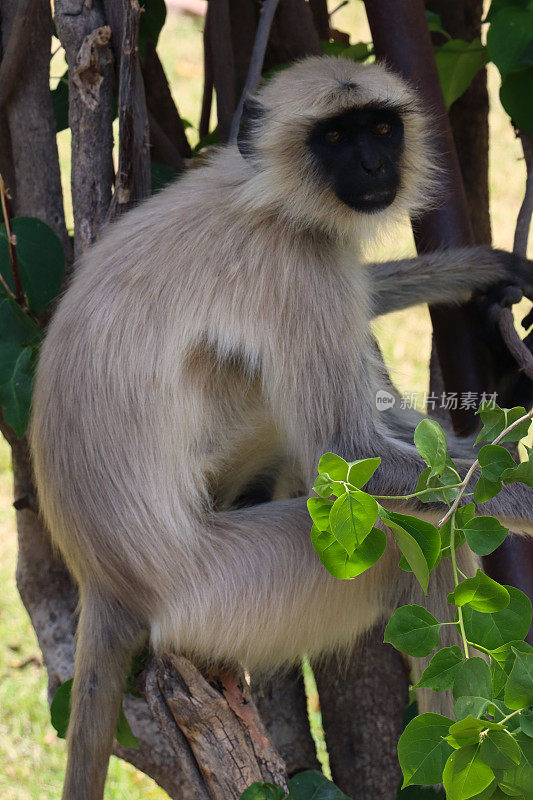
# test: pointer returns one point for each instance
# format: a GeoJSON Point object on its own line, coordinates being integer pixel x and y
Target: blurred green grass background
{"type": "Point", "coordinates": [32, 759]}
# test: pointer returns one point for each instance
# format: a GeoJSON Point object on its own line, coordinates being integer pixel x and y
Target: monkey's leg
{"type": "Point", "coordinates": [253, 591]}
{"type": "Point", "coordinates": [106, 639]}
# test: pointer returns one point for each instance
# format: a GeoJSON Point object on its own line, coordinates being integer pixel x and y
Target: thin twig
{"type": "Point", "coordinates": [523, 222]}
{"type": "Point", "coordinates": [18, 296]}
{"type": "Point", "coordinates": [518, 349]}
{"type": "Point", "coordinates": [475, 465]}
{"type": "Point", "coordinates": [256, 62]}
{"type": "Point", "coordinates": [16, 49]}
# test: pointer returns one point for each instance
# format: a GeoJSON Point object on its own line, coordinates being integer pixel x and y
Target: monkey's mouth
{"type": "Point", "coordinates": [371, 202]}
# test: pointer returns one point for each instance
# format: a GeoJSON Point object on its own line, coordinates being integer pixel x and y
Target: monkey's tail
{"type": "Point", "coordinates": [106, 639]}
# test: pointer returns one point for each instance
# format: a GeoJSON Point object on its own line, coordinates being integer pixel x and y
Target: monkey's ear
{"type": "Point", "coordinates": [252, 113]}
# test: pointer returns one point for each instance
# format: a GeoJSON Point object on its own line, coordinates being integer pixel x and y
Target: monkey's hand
{"type": "Point", "coordinates": [514, 270]}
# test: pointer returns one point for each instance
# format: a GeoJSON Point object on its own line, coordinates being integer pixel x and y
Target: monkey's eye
{"type": "Point", "coordinates": [381, 128]}
{"type": "Point", "coordinates": [334, 136]}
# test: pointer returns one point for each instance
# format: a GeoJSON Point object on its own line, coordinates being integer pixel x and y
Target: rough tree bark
{"type": "Point", "coordinates": [31, 120]}
{"type": "Point", "coordinates": [86, 40]}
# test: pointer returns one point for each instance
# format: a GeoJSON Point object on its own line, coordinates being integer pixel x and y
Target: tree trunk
{"type": "Point", "coordinates": [362, 709]}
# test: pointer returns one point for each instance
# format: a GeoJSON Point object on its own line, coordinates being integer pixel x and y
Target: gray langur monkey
{"type": "Point", "coordinates": [215, 340]}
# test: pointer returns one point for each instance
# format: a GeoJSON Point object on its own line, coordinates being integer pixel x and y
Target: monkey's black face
{"type": "Point", "coordinates": [359, 152]}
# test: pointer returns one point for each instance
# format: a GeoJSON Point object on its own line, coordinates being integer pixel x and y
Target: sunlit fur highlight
{"type": "Point", "coordinates": [219, 332]}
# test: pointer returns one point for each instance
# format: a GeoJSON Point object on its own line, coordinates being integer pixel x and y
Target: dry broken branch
{"type": "Point", "coordinates": [227, 740]}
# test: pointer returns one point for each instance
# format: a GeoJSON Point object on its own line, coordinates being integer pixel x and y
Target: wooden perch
{"type": "Point", "coordinates": [214, 729]}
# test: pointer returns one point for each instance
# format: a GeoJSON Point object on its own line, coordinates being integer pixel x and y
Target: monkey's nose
{"type": "Point", "coordinates": [372, 165]}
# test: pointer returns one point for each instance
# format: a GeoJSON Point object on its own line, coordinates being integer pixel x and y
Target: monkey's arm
{"type": "Point", "coordinates": [446, 277]}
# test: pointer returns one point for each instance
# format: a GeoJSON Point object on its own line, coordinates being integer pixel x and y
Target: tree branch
{"type": "Point", "coordinates": [85, 39]}
{"type": "Point", "coordinates": [32, 124]}
{"type": "Point", "coordinates": [256, 62]}
{"type": "Point", "coordinates": [15, 48]}
{"type": "Point", "coordinates": [218, 34]}
{"type": "Point", "coordinates": [133, 176]}
{"type": "Point", "coordinates": [162, 109]}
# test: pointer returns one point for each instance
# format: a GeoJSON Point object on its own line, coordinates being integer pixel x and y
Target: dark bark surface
{"type": "Point", "coordinates": [282, 704]}
{"type": "Point", "coordinates": [362, 708]}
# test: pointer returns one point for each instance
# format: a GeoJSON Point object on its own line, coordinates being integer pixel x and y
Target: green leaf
{"type": "Point", "coordinates": [519, 686]}
{"type": "Point", "coordinates": [465, 774]}
{"type": "Point", "coordinates": [40, 260]}
{"type": "Point", "coordinates": [526, 722]}
{"type": "Point", "coordinates": [413, 630]}
{"type": "Point", "coordinates": [124, 734]}
{"type": "Point", "coordinates": [520, 778]}
{"type": "Point", "coordinates": [458, 62]}
{"type": "Point", "coordinates": [410, 548]}
{"type": "Point", "coordinates": [508, 36]}
{"type": "Point", "coordinates": [336, 467]}
{"type": "Point", "coordinates": [337, 561]}
{"type": "Point", "coordinates": [313, 785]}
{"type": "Point", "coordinates": [430, 441]}
{"type": "Point", "coordinates": [19, 337]}
{"type": "Point", "coordinates": [506, 654]}
{"type": "Point", "coordinates": [468, 730]}
{"type": "Point", "coordinates": [59, 97]}
{"type": "Point", "coordinates": [358, 52]}
{"type": "Point", "coordinates": [484, 534]}
{"type": "Point", "coordinates": [361, 471]}
{"type": "Point", "coordinates": [485, 490]}
{"type": "Point", "coordinates": [494, 630]}
{"type": "Point", "coordinates": [332, 48]}
{"type": "Point", "coordinates": [470, 705]}
{"type": "Point", "coordinates": [464, 514]}
{"type": "Point", "coordinates": [424, 533]}
{"type": "Point", "coordinates": [523, 472]}
{"type": "Point", "coordinates": [423, 749]}
{"type": "Point", "coordinates": [440, 674]}
{"type": "Point", "coordinates": [473, 679]}
{"type": "Point", "coordinates": [496, 420]}
{"type": "Point", "coordinates": [323, 485]}
{"type": "Point", "coordinates": [499, 750]}
{"type": "Point", "coordinates": [481, 593]}
{"type": "Point", "coordinates": [264, 791]}
{"type": "Point", "coordinates": [319, 509]}
{"type": "Point", "coordinates": [435, 23]}
{"type": "Point", "coordinates": [449, 477]}
{"type": "Point", "coordinates": [515, 89]}
{"type": "Point", "coordinates": [497, 6]}
{"type": "Point", "coordinates": [60, 708]}
{"type": "Point", "coordinates": [494, 460]}
{"type": "Point", "coordinates": [352, 517]}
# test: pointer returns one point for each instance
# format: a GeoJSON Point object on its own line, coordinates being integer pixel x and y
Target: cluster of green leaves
{"type": "Point", "coordinates": [41, 265]}
{"type": "Point", "coordinates": [486, 750]}
{"type": "Point", "coordinates": [309, 785]}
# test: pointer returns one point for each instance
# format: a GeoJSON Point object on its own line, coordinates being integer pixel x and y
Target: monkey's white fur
{"type": "Point", "coordinates": [217, 333]}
